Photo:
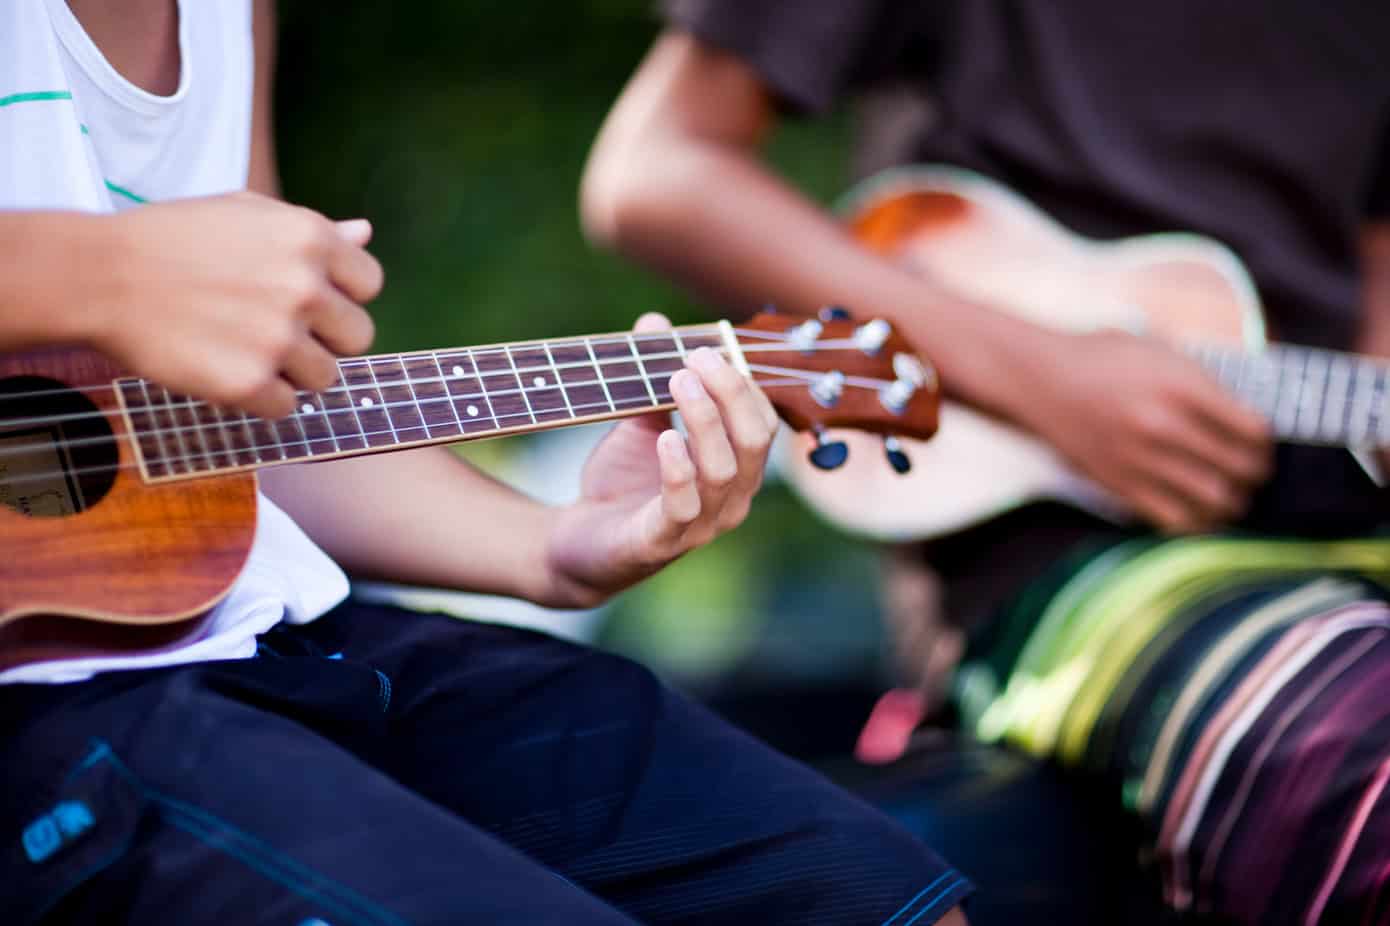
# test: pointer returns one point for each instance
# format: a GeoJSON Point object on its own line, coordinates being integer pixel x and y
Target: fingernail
{"type": "Point", "coordinates": [687, 385]}
{"type": "Point", "coordinates": [706, 359]}
{"type": "Point", "coordinates": [355, 229]}
{"type": "Point", "coordinates": [672, 445]}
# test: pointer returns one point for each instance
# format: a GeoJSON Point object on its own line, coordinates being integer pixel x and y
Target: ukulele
{"type": "Point", "coordinates": [126, 512]}
{"type": "Point", "coordinates": [981, 240]}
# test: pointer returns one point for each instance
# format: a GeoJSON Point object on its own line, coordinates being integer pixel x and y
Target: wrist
{"type": "Point", "coordinates": [52, 260]}
{"type": "Point", "coordinates": [547, 576]}
{"type": "Point", "coordinates": [80, 306]}
{"type": "Point", "coordinates": [995, 362]}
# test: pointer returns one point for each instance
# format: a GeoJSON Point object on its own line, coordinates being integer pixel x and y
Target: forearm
{"type": "Point", "coordinates": [1375, 297]}
{"type": "Point", "coordinates": [423, 517]}
{"type": "Point", "coordinates": [55, 267]}
{"type": "Point", "coordinates": [715, 220]}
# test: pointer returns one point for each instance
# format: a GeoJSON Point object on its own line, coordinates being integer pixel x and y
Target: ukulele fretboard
{"type": "Point", "coordinates": [424, 397]}
{"type": "Point", "coordinates": [1309, 395]}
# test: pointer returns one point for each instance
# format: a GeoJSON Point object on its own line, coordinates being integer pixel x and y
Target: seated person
{"type": "Point", "coordinates": [1234, 711]}
{"type": "Point", "coordinates": [311, 760]}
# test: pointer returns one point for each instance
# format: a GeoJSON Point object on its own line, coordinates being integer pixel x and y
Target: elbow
{"type": "Point", "coordinates": [615, 205]}
{"type": "Point", "coordinates": [629, 199]}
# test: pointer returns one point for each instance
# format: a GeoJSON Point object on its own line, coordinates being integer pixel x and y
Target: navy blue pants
{"type": "Point", "coordinates": [385, 767]}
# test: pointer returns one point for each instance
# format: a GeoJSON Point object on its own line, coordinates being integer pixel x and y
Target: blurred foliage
{"type": "Point", "coordinates": [461, 130]}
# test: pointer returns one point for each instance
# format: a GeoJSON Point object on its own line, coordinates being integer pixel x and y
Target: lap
{"type": "Point", "coordinates": [1231, 695]}
{"type": "Point", "coordinates": [379, 759]}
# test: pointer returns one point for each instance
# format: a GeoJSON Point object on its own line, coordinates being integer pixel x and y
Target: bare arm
{"type": "Point", "coordinates": [676, 181]}
{"type": "Point", "coordinates": [427, 517]}
{"type": "Point", "coordinates": [1375, 298]}
{"type": "Point", "coordinates": [53, 265]}
{"type": "Point", "coordinates": [413, 516]}
{"type": "Point", "coordinates": [235, 299]}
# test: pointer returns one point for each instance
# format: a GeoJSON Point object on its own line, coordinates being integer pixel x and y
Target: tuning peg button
{"type": "Point", "coordinates": [828, 455]}
{"type": "Point", "coordinates": [828, 388]}
{"type": "Point", "coordinates": [803, 337]}
{"type": "Point", "coordinates": [871, 336]}
{"type": "Point", "coordinates": [897, 456]}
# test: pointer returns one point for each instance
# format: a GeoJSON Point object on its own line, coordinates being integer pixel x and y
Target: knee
{"type": "Point", "coordinates": [863, 867]}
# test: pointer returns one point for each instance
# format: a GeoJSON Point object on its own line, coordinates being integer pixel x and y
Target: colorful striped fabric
{"type": "Point", "coordinates": [1236, 694]}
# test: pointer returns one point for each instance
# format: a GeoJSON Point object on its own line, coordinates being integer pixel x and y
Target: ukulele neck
{"type": "Point", "coordinates": [1309, 395]}
{"type": "Point", "coordinates": [392, 401]}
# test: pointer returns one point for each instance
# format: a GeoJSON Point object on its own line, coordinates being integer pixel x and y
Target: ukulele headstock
{"type": "Point", "coordinates": [831, 371]}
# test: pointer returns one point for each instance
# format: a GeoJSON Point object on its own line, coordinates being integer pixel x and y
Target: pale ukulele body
{"type": "Point", "coordinates": [979, 240]}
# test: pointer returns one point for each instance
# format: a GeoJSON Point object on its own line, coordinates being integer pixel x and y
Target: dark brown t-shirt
{"type": "Point", "coordinates": [1263, 123]}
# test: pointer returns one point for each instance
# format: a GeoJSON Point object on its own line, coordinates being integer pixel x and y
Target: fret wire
{"type": "Point", "coordinates": [447, 395]}
{"type": "Point", "coordinates": [303, 433]}
{"type": "Point", "coordinates": [482, 387]}
{"type": "Point", "coordinates": [159, 438]}
{"type": "Point", "coordinates": [424, 422]}
{"type": "Point", "coordinates": [1376, 417]}
{"type": "Point", "coordinates": [178, 438]}
{"type": "Point", "coordinates": [145, 442]}
{"type": "Point", "coordinates": [1299, 391]}
{"type": "Point", "coordinates": [251, 446]}
{"type": "Point", "coordinates": [202, 434]}
{"type": "Point", "coordinates": [559, 379]}
{"type": "Point", "coordinates": [1285, 409]}
{"type": "Point", "coordinates": [381, 397]}
{"type": "Point", "coordinates": [511, 361]}
{"type": "Point", "coordinates": [351, 404]}
{"type": "Point", "coordinates": [1335, 409]}
{"type": "Point", "coordinates": [1317, 403]}
{"type": "Point", "coordinates": [322, 406]}
{"type": "Point", "coordinates": [680, 345]}
{"type": "Point", "coordinates": [598, 371]}
{"type": "Point", "coordinates": [1242, 376]}
{"type": "Point", "coordinates": [1360, 402]}
{"type": "Point", "coordinates": [220, 417]}
{"type": "Point", "coordinates": [642, 369]}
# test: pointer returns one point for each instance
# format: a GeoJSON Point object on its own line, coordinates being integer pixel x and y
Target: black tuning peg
{"type": "Point", "coordinates": [897, 456]}
{"type": "Point", "coordinates": [834, 313]}
{"type": "Point", "coordinates": [829, 454]}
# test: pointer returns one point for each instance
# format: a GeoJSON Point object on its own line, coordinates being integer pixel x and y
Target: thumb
{"type": "Point", "coordinates": [356, 232]}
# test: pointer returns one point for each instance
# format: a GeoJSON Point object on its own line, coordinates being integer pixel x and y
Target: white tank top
{"type": "Point", "coordinates": [75, 134]}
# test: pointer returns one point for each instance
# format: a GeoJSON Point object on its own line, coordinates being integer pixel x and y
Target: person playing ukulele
{"type": "Point", "coordinates": [305, 759]}
{"type": "Point", "coordinates": [1237, 711]}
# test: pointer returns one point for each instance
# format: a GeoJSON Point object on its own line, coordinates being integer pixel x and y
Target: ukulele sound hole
{"type": "Point", "coordinates": [58, 456]}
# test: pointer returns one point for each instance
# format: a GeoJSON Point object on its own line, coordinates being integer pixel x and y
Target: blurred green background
{"type": "Point", "coordinates": [461, 130]}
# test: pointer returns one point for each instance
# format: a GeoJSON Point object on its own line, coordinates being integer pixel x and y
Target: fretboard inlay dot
{"type": "Point", "coordinates": [472, 411]}
{"type": "Point", "coordinates": [366, 401]}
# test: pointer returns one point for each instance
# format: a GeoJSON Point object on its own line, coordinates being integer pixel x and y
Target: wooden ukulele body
{"type": "Point", "coordinates": [976, 239]}
{"type": "Point", "coordinates": [140, 556]}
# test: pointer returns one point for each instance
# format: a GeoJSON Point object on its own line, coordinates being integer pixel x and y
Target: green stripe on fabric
{"type": "Point", "coordinates": [83, 127]}
{"type": "Point", "coordinates": [37, 97]}
{"type": "Point", "coordinates": [126, 193]}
